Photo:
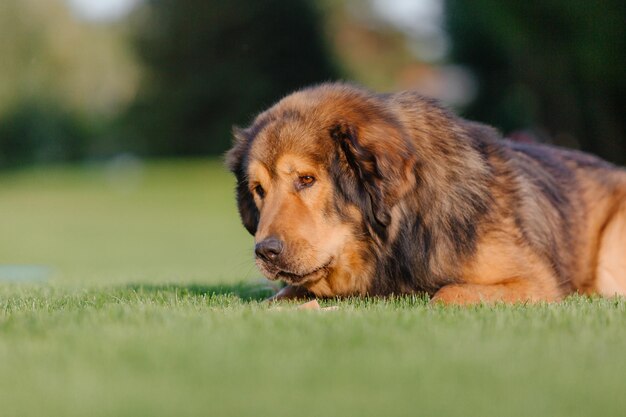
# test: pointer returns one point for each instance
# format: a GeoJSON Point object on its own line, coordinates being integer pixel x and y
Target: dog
{"type": "Point", "coordinates": [352, 193]}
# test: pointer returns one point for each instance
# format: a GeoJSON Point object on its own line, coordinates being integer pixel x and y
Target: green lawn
{"type": "Point", "coordinates": [148, 305]}
{"type": "Point", "coordinates": [162, 222]}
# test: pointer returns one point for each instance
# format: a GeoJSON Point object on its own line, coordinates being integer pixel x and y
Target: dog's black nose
{"type": "Point", "coordinates": [269, 249]}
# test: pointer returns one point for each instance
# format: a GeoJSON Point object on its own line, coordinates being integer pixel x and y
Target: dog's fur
{"type": "Point", "coordinates": [379, 194]}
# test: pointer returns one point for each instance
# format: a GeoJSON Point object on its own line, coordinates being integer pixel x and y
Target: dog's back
{"type": "Point", "coordinates": [590, 196]}
{"type": "Point", "coordinates": [566, 207]}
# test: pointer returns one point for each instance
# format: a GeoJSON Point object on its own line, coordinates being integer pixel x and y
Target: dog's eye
{"type": "Point", "coordinates": [305, 181]}
{"type": "Point", "coordinates": [259, 191]}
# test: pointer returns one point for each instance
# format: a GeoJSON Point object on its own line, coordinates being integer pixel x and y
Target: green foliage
{"type": "Point", "coordinates": [61, 82]}
{"type": "Point", "coordinates": [70, 90]}
{"type": "Point", "coordinates": [41, 132]}
{"type": "Point", "coordinates": [212, 64]}
{"type": "Point", "coordinates": [552, 66]}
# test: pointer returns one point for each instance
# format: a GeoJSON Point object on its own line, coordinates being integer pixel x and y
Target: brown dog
{"type": "Point", "coordinates": [353, 193]}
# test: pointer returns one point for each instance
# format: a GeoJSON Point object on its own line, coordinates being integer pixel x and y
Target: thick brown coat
{"type": "Point", "coordinates": [370, 194]}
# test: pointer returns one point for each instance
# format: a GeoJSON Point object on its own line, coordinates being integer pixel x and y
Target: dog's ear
{"type": "Point", "coordinates": [236, 161]}
{"type": "Point", "coordinates": [382, 159]}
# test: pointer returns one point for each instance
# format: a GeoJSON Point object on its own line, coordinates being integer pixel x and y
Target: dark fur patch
{"type": "Point", "coordinates": [363, 163]}
{"type": "Point", "coordinates": [237, 162]}
{"type": "Point", "coordinates": [405, 268]}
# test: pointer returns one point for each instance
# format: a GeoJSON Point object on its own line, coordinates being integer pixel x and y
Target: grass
{"type": "Point", "coordinates": [160, 222]}
{"type": "Point", "coordinates": [154, 309]}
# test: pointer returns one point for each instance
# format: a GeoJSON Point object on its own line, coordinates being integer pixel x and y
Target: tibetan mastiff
{"type": "Point", "coordinates": [352, 193]}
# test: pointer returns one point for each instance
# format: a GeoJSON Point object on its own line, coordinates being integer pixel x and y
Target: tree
{"type": "Point", "coordinates": [212, 64]}
{"type": "Point", "coordinates": [552, 66]}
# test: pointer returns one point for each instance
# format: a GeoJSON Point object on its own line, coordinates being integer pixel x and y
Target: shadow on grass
{"type": "Point", "coordinates": [246, 291]}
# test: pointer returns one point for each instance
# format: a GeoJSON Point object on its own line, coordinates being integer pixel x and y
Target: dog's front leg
{"type": "Point", "coordinates": [291, 292]}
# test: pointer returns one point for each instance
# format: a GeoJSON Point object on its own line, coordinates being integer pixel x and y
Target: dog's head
{"type": "Point", "coordinates": [318, 175]}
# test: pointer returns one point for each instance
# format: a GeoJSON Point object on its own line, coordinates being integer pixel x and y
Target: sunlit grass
{"type": "Point", "coordinates": [154, 309]}
{"type": "Point", "coordinates": [168, 221]}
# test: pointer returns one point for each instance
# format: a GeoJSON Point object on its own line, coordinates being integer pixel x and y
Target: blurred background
{"type": "Point", "coordinates": [113, 113]}
{"type": "Point", "coordinates": [89, 79]}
